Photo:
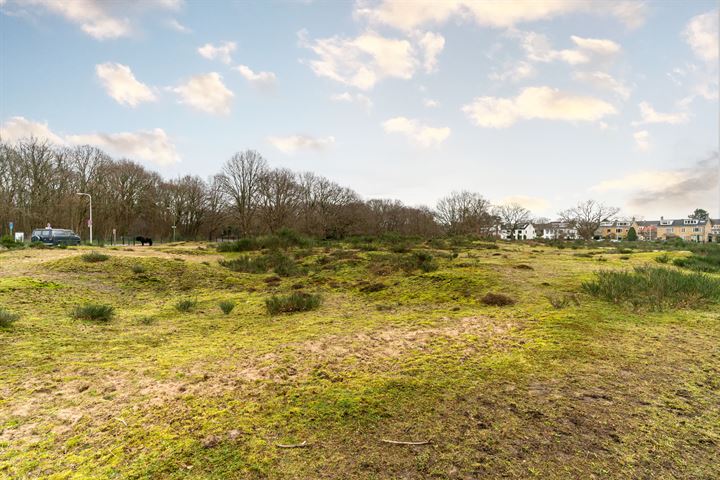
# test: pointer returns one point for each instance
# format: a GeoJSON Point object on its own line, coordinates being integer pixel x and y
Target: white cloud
{"type": "Point", "coordinates": [408, 16]}
{"type": "Point", "coordinates": [177, 26]}
{"type": "Point", "coordinates": [420, 134]}
{"type": "Point", "coordinates": [207, 93]}
{"type": "Point", "coordinates": [431, 45]}
{"type": "Point", "coordinates": [357, 98]}
{"type": "Point", "coordinates": [293, 143]}
{"type": "Point", "coordinates": [97, 18]}
{"type": "Point", "coordinates": [686, 187]}
{"type": "Point", "coordinates": [361, 61]}
{"type": "Point", "coordinates": [642, 140]}
{"type": "Point", "coordinates": [596, 45]}
{"type": "Point", "coordinates": [121, 84]}
{"type": "Point", "coordinates": [604, 81]}
{"type": "Point", "coordinates": [649, 115]}
{"type": "Point", "coordinates": [513, 72]}
{"type": "Point", "coordinates": [151, 145]}
{"type": "Point", "coordinates": [18, 128]}
{"type": "Point", "coordinates": [539, 49]}
{"type": "Point", "coordinates": [222, 52]}
{"type": "Point", "coordinates": [536, 103]}
{"type": "Point", "coordinates": [430, 103]}
{"type": "Point", "coordinates": [262, 80]}
{"type": "Point", "coordinates": [531, 203]}
{"type": "Point", "coordinates": [701, 33]}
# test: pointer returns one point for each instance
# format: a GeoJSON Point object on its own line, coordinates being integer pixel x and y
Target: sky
{"type": "Point", "coordinates": [539, 102]}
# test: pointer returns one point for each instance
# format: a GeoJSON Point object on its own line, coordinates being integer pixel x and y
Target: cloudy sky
{"type": "Point", "coordinates": [542, 102]}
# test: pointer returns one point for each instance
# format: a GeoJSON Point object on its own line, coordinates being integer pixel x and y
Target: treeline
{"type": "Point", "coordinates": [39, 183]}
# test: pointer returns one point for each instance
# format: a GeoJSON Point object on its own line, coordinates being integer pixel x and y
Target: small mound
{"type": "Point", "coordinates": [498, 300]}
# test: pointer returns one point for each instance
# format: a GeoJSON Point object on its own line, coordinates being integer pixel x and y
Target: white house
{"type": "Point", "coordinates": [556, 231]}
{"type": "Point", "coordinates": [524, 231]}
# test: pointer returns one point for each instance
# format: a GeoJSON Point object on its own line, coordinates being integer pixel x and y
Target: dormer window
{"type": "Point", "coordinates": [691, 221]}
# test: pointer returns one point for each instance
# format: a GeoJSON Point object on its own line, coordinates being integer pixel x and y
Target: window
{"type": "Point", "coordinates": [668, 230]}
{"type": "Point", "coordinates": [618, 230]}
{"type": "Point", "coordinates": [696, 229]}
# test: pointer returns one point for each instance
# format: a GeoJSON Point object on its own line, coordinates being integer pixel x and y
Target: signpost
{"type": "Point", "coordinates": [12, 227]}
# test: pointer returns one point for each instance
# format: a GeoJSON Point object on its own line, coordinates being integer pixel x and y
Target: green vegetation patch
{"type": "Point", "coordinates": [654, 288]}
{"type": "Point", "coordinates": [94, 311]}
{"type": "Point", "coordinates": [7, 318]}
{"type": "Point", "coordinates": [295, 302]}
{"type": "Point", "coordinates": [94, 257]}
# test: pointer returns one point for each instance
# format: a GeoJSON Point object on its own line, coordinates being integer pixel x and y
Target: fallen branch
{"type": "Point", "coordinates": [121, 421]}
{"type": "Point", "coordinates": [293, 445]}
{"type": "Point", "coordinates": [398, 442]}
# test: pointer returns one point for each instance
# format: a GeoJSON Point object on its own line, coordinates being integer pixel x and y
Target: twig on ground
{"type": "Point", "coordinates": [293, 445]}
{"type": "Point", "coordinates": [121, 421]}
{"type": "Point", "coordinates": [398, 442]}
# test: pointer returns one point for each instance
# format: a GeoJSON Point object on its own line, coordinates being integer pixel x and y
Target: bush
{"type": "Point", "coordinates": [498, 300]}
{"type": "Point", "coordinates": [94, 257]}
{"type": "Point", "coordinates": [295, 302]}
{"type": "Point", "coordinates": [137, 268]}
{"type": "Point", "coordinates": [185, 305]}
{"type": "Point", "coordinates": [38, 245]}
{"type": "Point", "coordinates": [281, 264]}
{"type": "Point", "coordinates": [242, 245]}
{"type": "Point", "coordinates": [9, 242]}
{"type": "Point", "coordinates": [562, 301]}
{"type": "Point", "coordinates": [94, 311]}
{"type": "Point", "coordinates": [654, 288]}
{"type": "Point", "coordinates": [699, 263]}
{"type": "Point", "coordinates": [227, 306]}
{"type": "Point", "coordinates": [7, 318]}
{"type": "Point", "coordinates": [664, 258]}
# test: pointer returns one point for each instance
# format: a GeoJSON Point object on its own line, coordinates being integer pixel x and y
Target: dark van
{"type": "Point", "coordinates": [55, 236]}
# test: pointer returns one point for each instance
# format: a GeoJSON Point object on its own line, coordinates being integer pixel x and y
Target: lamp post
{"type": "Point", "coordinates": [90, 221]}
{"type": "Point", "coordinates": [174, 227]}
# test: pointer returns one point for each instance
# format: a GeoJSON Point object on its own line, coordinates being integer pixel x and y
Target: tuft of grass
{"type": "Point", "coordinates": [226, 306]}
{"type": "Point", "coordinates": [94, 257]}
{"type": "Point", "coordinates": [562, 301]}
{"type": "Point", "coordinates": [664, 258]}
{"type": "Point", "coordinates": [280, 263]}
{"type": "Point", "coordinates": [7, 318]}
{"type": "Point", "coordinates": [498, 300]}
{"type": "Point", "coordinates": [295, 302]}
{"type": "Point", "coordinates": [137, 268]}
{"type": "Point", "coordinates": [93, 311]}
{"type": "Point", "coordinates": [185, 305]}
{"type": "Point", "coordinates": [654, 288]}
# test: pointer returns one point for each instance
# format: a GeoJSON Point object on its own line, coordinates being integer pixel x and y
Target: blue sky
{"type": "Point", "coordinates": [543, 103]}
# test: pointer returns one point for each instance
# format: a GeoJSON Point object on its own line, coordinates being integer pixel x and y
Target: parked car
{"type": "Point", "coordinates": [55, 236]}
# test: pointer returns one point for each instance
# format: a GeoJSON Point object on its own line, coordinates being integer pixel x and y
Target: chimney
{"type": "Point", "coordinates": [662, 218]}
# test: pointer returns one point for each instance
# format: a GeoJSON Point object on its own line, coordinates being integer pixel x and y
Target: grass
{"type": "Point", "coordinates": [593, 389]}
{"type": "Point", "coordinates": [185, 305]}
{"type": "Point", "coordinates": [227, 306]}
{"type": "Point", "coordinates": [7, 318]}
{"type": "Point", "coordinates": [654, 288]}
{"type": "Point", "coordinates": [93, 311]}
{"type": "Point", "coordinates": [295, 302]}
{"type": "Point", "coordinates": [94, 257]}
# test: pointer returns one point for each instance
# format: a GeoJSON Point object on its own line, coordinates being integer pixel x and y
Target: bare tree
{"type": "Point", "coordinates": [241, 182]}
{"type": "Point", "coordinates": [279, 196]}
{"type": "Point", "coordinates": [587, 216]}
{"type": "Point", "coordinates": [465, 212]}
{"type": "Point", "coordinates": [512, 216]}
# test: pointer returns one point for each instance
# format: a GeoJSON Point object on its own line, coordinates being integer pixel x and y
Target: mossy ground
{"type": "Point", "coordinates": [525, 391]}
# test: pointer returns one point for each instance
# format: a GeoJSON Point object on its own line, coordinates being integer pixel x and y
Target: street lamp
{"type": "Point", "coordinates": [90, 221]}
{"type": "Point", "coordinates": [174, 227]}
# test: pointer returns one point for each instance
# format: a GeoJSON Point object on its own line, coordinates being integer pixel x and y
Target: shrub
{"type": "Point", "coordinates": [700, 263]}
{"type": "Point", "coordinates": [38, 245]}
{"type": "Point", "coordinates": [185, 305]}
{"type": "Point", "coordinates": [295, 302]}
{"type": "Point", "coordinates": [227, 306]}
{"type": "Point", "coordinates": [7, 318]}
{"type": "Point", "coordinates": [242, 245]}
{"type": "Point", "coordinates": [281, 264]}
{"type": "Point", "coordinates": [94, 257]}
{"type": "Point", "coordinates": [664, 258]}
{"type": "Point", "coordinates": [497, 299]}
{"type": "Point", "coordinates": [9, 242]}
{"type": "Point", "coordinates": [137, 268]}
{"type": "Point", "coordinates": [654, 288]}
{"type": "Point", "coordinates": [562, 301]}
{"type": "Point", "coordinates": [94, 311]}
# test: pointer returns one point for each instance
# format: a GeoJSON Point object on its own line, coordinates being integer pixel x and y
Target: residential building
{"type": "Point", "coordinates": [688, 229]}
{"type": "Point", "coordinates": [555, 231]}
{"type": "Point", "coordinates": [525, 231]}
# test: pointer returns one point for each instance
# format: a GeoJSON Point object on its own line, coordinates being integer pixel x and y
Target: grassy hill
{"type": "Point", "coordinates": [400, 342]}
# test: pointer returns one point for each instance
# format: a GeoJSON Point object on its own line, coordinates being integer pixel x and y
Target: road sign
{"type": "Point", "coordinates": [12, 226]}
